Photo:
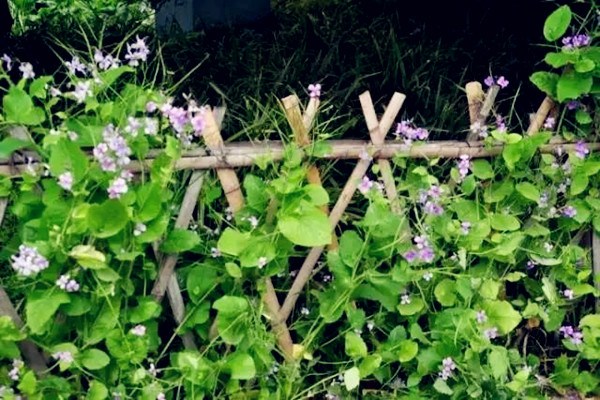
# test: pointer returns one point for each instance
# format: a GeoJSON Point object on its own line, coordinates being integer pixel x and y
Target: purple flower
{"type": "Point", "coordinates": [500, 124]}
{"type": "Point", "coordinates": [29, 261]}
{"type": "Point", "coordinates": [569, 211]}
{"type": "Point", "coordinates": [65, 181]}
{"type": "Point", "coordinates": [465, 227]}
{"type": "Point", "coordinates": [409, 131]}
{"type": "Point", "coordinates": [314, 90]}
{"type": "Point", "coordinates": [117, 188]}
{"type": "Point", "coordinates": [420, 241]}
{"type": "Point", "coordinates": [7, 60]}
{"type": "Point", "coordinates": [105, 61]}
{"type": "Point", "coordinates": [480, 129]}
{"type": "Point", "coordinates": [75, 65]}
{"type": "Point", "coordinates": [137, 52]}
{"type": "Point", "coordinates": [447, 367]}
{"type": "Point", "coordinates": [531, 264]}
{"type": "Point", "coordinates": [433, 208]}
{"type": "Point", "coordinates": [574, 335]}
{"type": "Point", "coordinates": [151, 107]}
{"type": "Point", "coordinates": [435, 192]}
{"type": "Point", "coordinates": [138, 330]}
{"type": "Point", "coordinates": [427, 255]}
{"type": "Point", "coordinates": [27, 70]}
{"type": "Point", "coordinates": [491, 333]}
{"type": "Point", "coordinates": [82, 91]}
{"type": "Point", "coordinates": [150, 126]}
{"type": "Point", "coordinates": [365, 185]}
{"type": "Point", "coordinates": [133, 126]}
{"type": "Point", "coordinates": [573, 105]}
{"type": "Point", "coordinates": [568, 293]}
{"type": "Point", "coordinates": [63, 356]}
{"type": "Point", "coordinates": [489, 81]}
{"type": "Point", "coordinates": [67, 284]}
{"type": "Point", "coordinates": [410, 255]}
{"type": "Point", "coordinates": [581, 149]}
{"type": "Point", "coordinates": [481, 316]}
{"type": "Point", "coordinates": [502, 82]}
{"type": "Point", "coordinates": [405, 299]}
{"type": "Point", "coordinates": [198, 123]}
{"type": "Point", "coordinates": [464, 165]}
{"type": "Point", "coordinates": [576, 41]}
{"type": "Point", "coordinates": [550, 123]}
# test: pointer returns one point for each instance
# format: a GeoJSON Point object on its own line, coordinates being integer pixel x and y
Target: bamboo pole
{"type": "Point", "coordinates": [596, 264]}
{"type": "Point", "coordinates": [541, 115]}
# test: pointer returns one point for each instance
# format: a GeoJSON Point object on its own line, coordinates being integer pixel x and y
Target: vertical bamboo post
{"type": "Point", "coordinates": [480, 105]}
{"type": "Point", "coordinates": [540, 116]}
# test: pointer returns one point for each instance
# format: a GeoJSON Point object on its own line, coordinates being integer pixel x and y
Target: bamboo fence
{"type": "Point", "coordinates": [224, 158]}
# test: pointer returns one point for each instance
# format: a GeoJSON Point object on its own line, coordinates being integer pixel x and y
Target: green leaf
{"type": "Point", "coordinates": [37, 88]}
{"type": "Point", "coordinates": [557, 23]}
{"type": "Point", "coordinates": [351, 246]}
{"type": "Point", "coordinates": [502, 315]}
{"type": "Point", "coordinates": [560, 59]}
{"type": "Point", "coordinates": [180, 240]}
{"type": "Point", "coordinates": [441, 386]}
{"type": "Point", "coordinates": [147, 309]}
{"type": "Point", "coordinates": [233, 242]}
{"type": "Point", "coordinates": [583, 117]}
{"type": "Point", "coordinates": [318, 196]}
{"type": "Point", "coordinates": [9, 331]}
{"type": "Point", "coordinates": [28, 383]}
{"type": "Point", "coordinates": [482, 169]}
{"type": "Point", "coordinates": [97, 391]}
{"type": "Point", "coordinates": [499, 363]}
{"type": "Point", "coordinates": [489, 289]}
{"type": "Point", "coordinates": [572, 86]}
{"type": "Point", "coordinates": [107, 219]}
{"type": "Point", "coordinates": [201, 280]}
{"type": "Point", "coordinates": [310, 228]}
{"type": "Point", "coordinates": [416, 304]}
{"type": "Point", "coordinates": [584, 65]}
{"type": "Point", "coordinates": [355, 346]}
{"type": "Point", "coordinates": [41, 307]}
{"type": "Point", "coordinates": [67, 156]}
{"type": "Point", "coordinates": [529, 191]}
{"type": "Point", "coordinates": [241, 366]}
{"type": "Point", "coordinates": [231, 305]}
{"type": "Point", "coordinates": [369, 365]}
{"type": "Point", "coordinates": [233, 270]}
{"type": "Point", "coordinates": [88, 257]}
{"type": "Point", "coordinates": [407, 350]}
{"type": "Point", "coordinates": [256, 192]}
{"type": "Point", "coordinates": [546, 82]}
{"type": "Point", "coordinates": [110, 76]}
{"type": "Point", "coordinates": [10, 144]}
{"type": "Point", "coordinates": [445, 292]}
{"type": "Point", "coordinates": [19, 108]}
{"type": "Point", "coordinates": [502, 222]}
{"type": "Point", "coordinates": [586, 382]}
{"type": "Point", "coordinates": [94, 359]}
{"type": "Point", "coordinates": [352, 378]}
{"type": "Point", "coordinates": [149, 202]}
{"type": "Point", "coordinates": [579, 183]}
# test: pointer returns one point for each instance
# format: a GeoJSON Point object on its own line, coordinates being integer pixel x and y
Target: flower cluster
{"type": "Point", "coordinates": [83, 90]}
{"type": "Point", "coordinates": [15, 373]}
{"type": "Point", "coordinates": [430, 200]}
{"type": "Point", "coordinates": [447, 367]}
{"type": "Point", "coordinates": [409, 132]}
{"type": "Point", "coordinates": [423, 252]}
{"type": "Point", "coordinates": [187, 123]}
{"type": "Point", "coordinates": [581, 149]}
{"type": "Point", "coordinates": [492, 80]}
{"type": "Point", "coordinates": [491, 333]}
{"type": "Point", "coordinates": [550, 123]}
{"type": "Point", "coordinates": [314, 90]}
{"type": "Point", "coordinates": [29, 261]}
{"type": "Point", "coordinates": [119, 186]}
{"type": "Point", "coordinates": [114, 151]}
{"type": "Point", "coordinates": [65, 181]}
{"type": "Point", "coordinates": [569, 212]}
{"type": "Point", "coordinates": [464, 165]}
{"type": "Point", "coordinates": [576, 41]}
{"type": "Point", "coordinates": [67, 284]}
{"type": "Point", "coordinates": [573, 334]}
{"type": "Point", "coordinates": [63, 356]}
{"type": "Point", "coordinates": [75, 65]}
{"type": "Point", "coordinates": [137, 52]}
{"type": "Point", "coordinates": [105, 62]}
{"type": "Point", "coordinates": [480, 129]}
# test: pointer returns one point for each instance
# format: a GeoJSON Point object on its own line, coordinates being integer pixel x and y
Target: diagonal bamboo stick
{"type": "Point", "coordinates": [540, 116]}
{"type": "Point", "coordinates": [33, 356]}
{"type": "Point", "coordinates": [480, 105]}
{"type": "Point", "coordinates": [359, 171]}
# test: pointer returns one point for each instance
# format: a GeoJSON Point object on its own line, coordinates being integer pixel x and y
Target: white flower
{"type": "Point", "coordinates": [262, 261]}
{"type": "Point", "coordinates": [29, 261]}
{"type": "Point", "coordinates": [304, 311]}
{"type": "Point", "coordinates": [27, 70]}
{"type": "Point", "coordinates": [139, 229]}
{"type": "Point", "coordinates": [138, 330]}
{"type": "Point", "coordinates": [65, 181]}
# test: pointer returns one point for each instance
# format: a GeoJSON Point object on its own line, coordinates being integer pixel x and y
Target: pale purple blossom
{"type": "Point", "coordinates": [117, 188]}
{"type": "Point", "coordinates": [502, 82]}
{"type": "Point", "coordinates": [531, 264]}
{"type": "Point", "coordinates": [500, 123]}
{"type": "Point", "coordinates": [105, 61]}
{"type": "Point", "coordinates": [464, 165]}
{"type": "Point", "coordinates": [405, 299]}
{"type": "Point", "coordinates": [67, 284]}
{"type": "Point", "coordinates": [569, 294]}
{"type": "Point", "coordinates": [465, 227]}
{"type": "Point", "coordinates": [420, 241]}
{"type": "Point", "coordinates": [82, 91]}
{"type": "Point", "coordinates": [65, 181]}
{"type": "Point", "coordinates": [573, 334]}
{"type": "Point", "coordinates": [138, 330]}
{"type": "Point", "coordinates": [151, 106]}
{"type": "Point", "coordinates": [491, 333]}
{"type": "Point", "coordinates": [15, 373]}
{"type": "Point", "coordinates": [581, 149]}
{"type": "Point", "coordinates": [409, 132]}
{"type": "Point", "coordinates": [160, 396]}
{"type": "Point", "coordinates": [569, 211]}
{"type": "Point", "coordinates": [75, 65]}
{"type": "Point", "coordinates": [544, 198]}
{"type": "Point", "coordinates": [573, 105]}
{"type": "Point", "coordinates": [63, 356]}
{"type": "Point", "coordinates": [198, 123]}
{"type": "Point", "coordinates": [150, 126]}
{"type": "Point", "coordinates": [27, 70]}
{"type": "Point", "coordinates": [435, 191]}
{"type": "Point", "coordinates": [365, 185]}
{"type": "Point", "coordinates": [480, 129]}
{"type": "Point", "coordinates": [137, 52]}
{"type": "Point", "coordinates": [426, 255]}
{"type": "Point", "coordinates": [447, 367]}
{"type": "Point", "coordinates": [433, 208]}
{"type": "Point", "coordinates": [54, 92]}
{"type": "Point", "coordinates": [139, 229]}
{"type": "Point", "coordinates": [576, 41]}
{"type": "Point", "coordinates": [314, 90]}
{"type": "Point", "coordinates": [481, 316]}
{"type": "Point", "coordinates": [549, 123]}
{"type": "Point", "coordinates": [411, 255]}
{"type": "Point", "coordinates": [7, 61]}
{"type": "Point", "coordinates": [133, 126]}
{"type": "Point", "coordinates": [492, 80]}
{"type": "Point", "coordinates": [489, 81]}
{"type": "Point", "coordinates": [113, 151]}
{"type": "Point", "coordinates": [29, 261]}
